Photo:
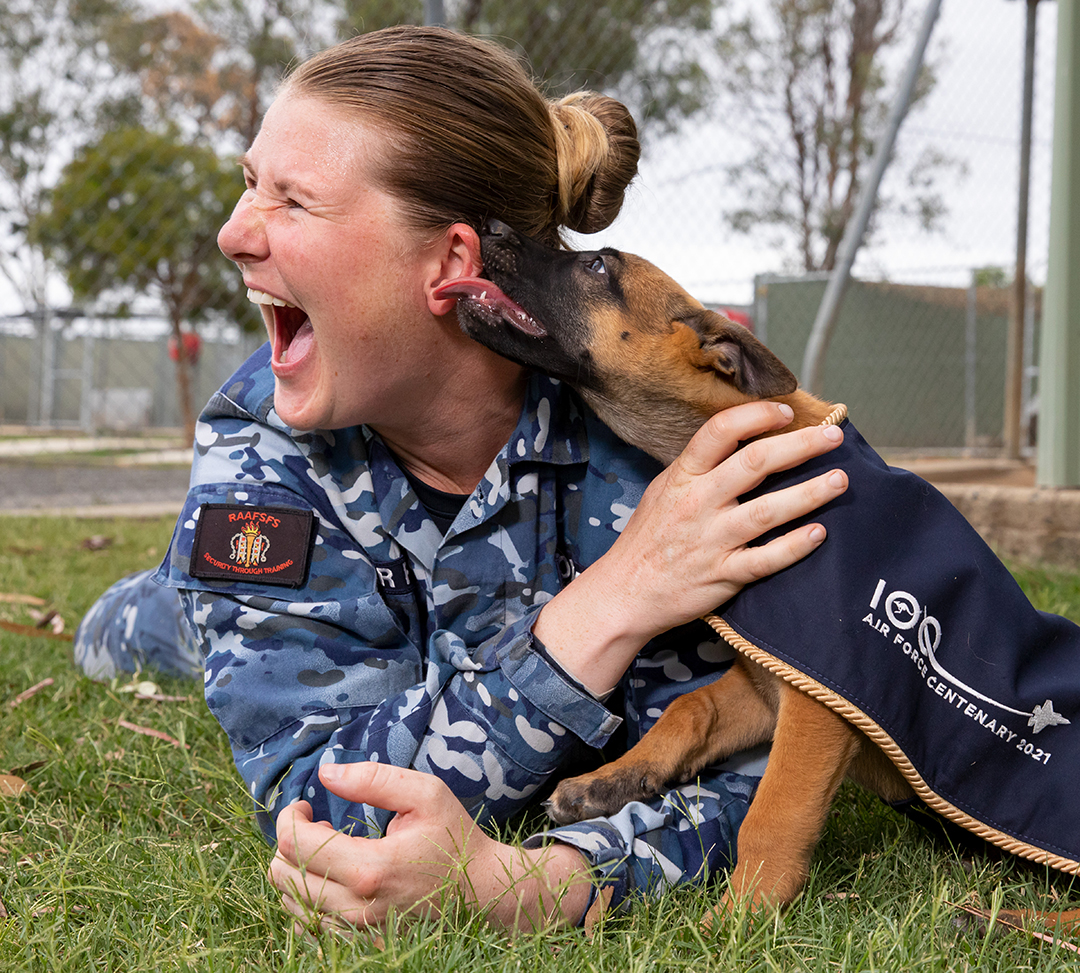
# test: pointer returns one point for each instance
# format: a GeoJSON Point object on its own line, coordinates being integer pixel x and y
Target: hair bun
{"type": "Point", "coordinates": [598, 150]}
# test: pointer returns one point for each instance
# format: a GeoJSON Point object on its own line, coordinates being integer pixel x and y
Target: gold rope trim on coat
{"type": "Point", "coordinates": [834, 418]}
{"type": "Point", "coordinates": [857, 718]}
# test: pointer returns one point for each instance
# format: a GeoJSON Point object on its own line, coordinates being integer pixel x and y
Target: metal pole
{"type": "Point", "coordinates": [434, 13]}
{"type": "Point", "coordinates": [814, 358]}
{"type": "Point", "coordinates": [1014, 366]}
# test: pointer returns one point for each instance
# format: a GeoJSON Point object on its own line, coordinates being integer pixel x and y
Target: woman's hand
{"type": "Point", "coordinates": [686, 549]}
{"type": "Point", "coordinates": [432, 853]}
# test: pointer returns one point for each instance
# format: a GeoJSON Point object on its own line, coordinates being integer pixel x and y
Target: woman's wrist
{"type": "Point", "coordinates": [588, 634]}
{"type": "Point", "coordinates": [527, 889]}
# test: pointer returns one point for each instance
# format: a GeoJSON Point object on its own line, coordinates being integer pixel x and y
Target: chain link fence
{"type": "Point", "coordinates": [918, 355]}
{"type": "Point", "coordinates": [98, 375]}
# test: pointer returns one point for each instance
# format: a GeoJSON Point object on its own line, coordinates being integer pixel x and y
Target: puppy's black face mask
{"type": "Point", "coordinates": [561, 289]}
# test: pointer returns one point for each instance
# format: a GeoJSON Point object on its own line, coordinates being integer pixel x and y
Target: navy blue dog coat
{"type": "Point", "coordinates": [907, 625]}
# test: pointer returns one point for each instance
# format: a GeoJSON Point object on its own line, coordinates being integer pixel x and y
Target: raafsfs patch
{"type": "Point", "coordinates": [267, 545]}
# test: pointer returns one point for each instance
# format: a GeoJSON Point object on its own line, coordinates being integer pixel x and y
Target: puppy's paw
{"type": "Point", "coordinates": [600, 793]}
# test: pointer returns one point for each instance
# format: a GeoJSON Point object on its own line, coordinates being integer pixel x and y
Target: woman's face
{"type": "Point", "coordinates": [337, 273]}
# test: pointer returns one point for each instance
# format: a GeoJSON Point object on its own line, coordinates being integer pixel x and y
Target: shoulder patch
{"type": "Point", "coordinates": [267, 545]}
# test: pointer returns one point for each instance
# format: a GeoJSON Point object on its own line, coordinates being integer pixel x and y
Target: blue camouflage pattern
{"type": "Point", "coordinates": [442, 674]}
{"type": "Point", "coordinates": [136, 625]}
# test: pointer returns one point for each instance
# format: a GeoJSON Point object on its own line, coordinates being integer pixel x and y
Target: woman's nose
{"type": "Point", "coordinates": [243, 237]}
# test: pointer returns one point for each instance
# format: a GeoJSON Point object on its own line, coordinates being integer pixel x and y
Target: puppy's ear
{"type": "Point", "coordinates": [735, 354]}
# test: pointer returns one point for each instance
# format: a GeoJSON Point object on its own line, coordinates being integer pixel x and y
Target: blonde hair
{"type": "Point", "coordinates": [469, 135]}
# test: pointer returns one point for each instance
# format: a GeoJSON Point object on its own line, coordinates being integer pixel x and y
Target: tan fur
{"type": "Point", "coordinates": [663, 378]}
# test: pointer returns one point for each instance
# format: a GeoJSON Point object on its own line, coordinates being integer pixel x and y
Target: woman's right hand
{"type": "Point", "coordinates": [686, 549]}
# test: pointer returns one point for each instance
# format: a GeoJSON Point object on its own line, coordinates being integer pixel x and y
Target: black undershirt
{"type": "Point", "coordinates": [441, 506]}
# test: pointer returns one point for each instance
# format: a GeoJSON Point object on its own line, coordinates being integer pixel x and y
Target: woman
{"type": "Point", "coordinates": [410, 565]}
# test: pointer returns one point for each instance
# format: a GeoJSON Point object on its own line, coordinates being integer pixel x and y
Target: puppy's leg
{"type": "Point", "coordinates": [811, 751]}
{"type": "Point", "coordinates": [696, 730]}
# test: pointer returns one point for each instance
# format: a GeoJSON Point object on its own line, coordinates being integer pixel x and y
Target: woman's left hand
{"type": "Point", "coordinates": [432, 849]}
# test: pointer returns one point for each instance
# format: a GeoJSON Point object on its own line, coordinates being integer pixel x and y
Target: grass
{"type": "Point", "coordinates": [131, 853]}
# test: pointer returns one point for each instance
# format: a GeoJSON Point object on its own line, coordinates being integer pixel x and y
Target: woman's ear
{"type": "Point", "coordinates": [455, 255]}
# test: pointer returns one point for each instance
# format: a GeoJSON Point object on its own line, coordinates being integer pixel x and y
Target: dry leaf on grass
{"type": "Point", "coordinates": [150, 732]}
{"type": "Point", "coordinates": [39, 633]}
{"type": "Point", "coordinates": [142, 687]}
{"type": "Point", "coordinates": [11, 598]}
{"type": "Point", "coordinates": [3, 911]}
{"type": "Point", "coordinates": [32, 691]}
{"type": "Point", "coordinates": [12, 786]}
{"type": "Point", "coordinates": [1039, 925]}
{"type": "Point", "coordinates": [145, 689]}
{"type": "Point", "coordinates": [50, 619]}
{"type": "Point", "coordinates": [97, 542]}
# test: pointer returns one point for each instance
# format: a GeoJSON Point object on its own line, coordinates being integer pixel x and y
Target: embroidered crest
{"type": "Point", "coordinates": [250, 546]}
{"type": "Point", "coordinates": [266, 545]}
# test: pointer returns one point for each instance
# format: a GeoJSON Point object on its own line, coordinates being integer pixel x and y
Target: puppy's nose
{"type": "Point", "coordinates": [498, 230]}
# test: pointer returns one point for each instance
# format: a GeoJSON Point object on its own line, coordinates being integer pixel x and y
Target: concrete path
{"type": "Point", "coordinates": [93, 476]}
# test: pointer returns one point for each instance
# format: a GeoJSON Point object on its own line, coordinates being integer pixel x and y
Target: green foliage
{"type": "Point", "coordinates": [805, 85]}
{"type": "Point", "coordinates": [990, 276]}
{"type": "Point", "coordinates": [132, 854]}
{"type": "Point", "coordinates": [140, 210]}
{"type": "Point", "coordinates": [48, 90]}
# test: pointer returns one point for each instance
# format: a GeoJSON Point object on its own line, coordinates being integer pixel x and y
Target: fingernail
{"type": "Point", "coordinates": [786, 411]}
{"type": "Point", "coordinates": [817, 534]}
{"type": "Point", "coordinates": [330, 772]}
{"type": "Point", "coordinates": [832, 433]}
{"type": "Point", "coordinates": [837, 479]}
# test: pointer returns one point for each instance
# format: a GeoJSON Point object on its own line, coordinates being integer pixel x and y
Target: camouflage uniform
{"type": "Point", "coordinates": [409, 647]}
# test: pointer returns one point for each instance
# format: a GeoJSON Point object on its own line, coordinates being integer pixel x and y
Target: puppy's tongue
{"type": "Point", "coordinates": [490, 304]}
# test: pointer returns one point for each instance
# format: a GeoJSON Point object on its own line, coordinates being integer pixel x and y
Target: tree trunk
{"type": "Point", "coordinates": [183, 384]}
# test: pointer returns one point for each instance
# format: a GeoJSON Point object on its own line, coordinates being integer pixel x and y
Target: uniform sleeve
{"type": "Point", "coordinates": [687, 835]}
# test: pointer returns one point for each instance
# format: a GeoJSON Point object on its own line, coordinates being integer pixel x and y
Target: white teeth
{"type": "Point", "coordinates": [261, 297]}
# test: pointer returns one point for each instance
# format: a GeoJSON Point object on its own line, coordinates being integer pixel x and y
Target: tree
{"type": "Point", "coordinates": [807, 87]}
{"type": "Point", "coordinates": [211, 70]}
{"type": "Point", "coordinates": [51, 84]}
{"type": "Point", "coordinates": [139, 211]}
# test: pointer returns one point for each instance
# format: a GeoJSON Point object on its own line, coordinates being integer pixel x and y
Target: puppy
{"type": "Point", "coordinates": [845, 677]}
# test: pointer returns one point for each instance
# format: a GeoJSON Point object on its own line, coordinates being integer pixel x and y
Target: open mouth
{"type": "Point", "coordinates": [293, 333]}
{"type": "Point", "coordinates": [485, 302]}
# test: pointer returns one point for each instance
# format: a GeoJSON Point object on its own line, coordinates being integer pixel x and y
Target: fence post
{"type": "Point", "coordinates": [1014, 369]}
{"type": "Point", "coordinates": [48, 367]}
{"type": "Point", "coordinates": [434, 13]}
{"type": "Point", "coordinates": [86, 392]}
{"type": "Point", "coordinates": [1059, 372]}
{"type": "Point", "coordinates": [970, 360]}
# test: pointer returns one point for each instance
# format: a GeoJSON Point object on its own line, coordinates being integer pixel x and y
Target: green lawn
{"type": "Point", "coordinates": [132, 853]}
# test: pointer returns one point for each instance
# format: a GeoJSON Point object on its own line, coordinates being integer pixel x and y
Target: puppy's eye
{"type": "Point", "coordinates": [596, 266]}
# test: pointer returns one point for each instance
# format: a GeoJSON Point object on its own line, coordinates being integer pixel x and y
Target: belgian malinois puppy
{"type": "Point", "coordinates": [654, 364]}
